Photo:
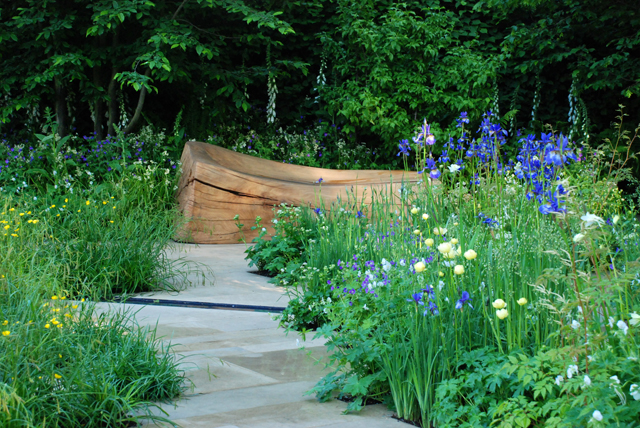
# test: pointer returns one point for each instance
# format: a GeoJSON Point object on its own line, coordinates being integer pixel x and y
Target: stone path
{"type": "Point", "coordinates": [246, 372]}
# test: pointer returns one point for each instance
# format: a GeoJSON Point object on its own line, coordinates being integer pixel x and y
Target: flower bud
{"type": "Point", "coordinates": [470, 254]}
{"type": "Point", "coordinates": [416, 232]}
{"type": "Point", "coordinates": [414, 210]}
{"type": "Point", "coordinates": [429, 242]}
{"type": "Point", "coordinates": [458, 270]}
{"type": "Point", "coordinates": [454, 241]}
{"type": "Point", "coordinates": [522, 301]}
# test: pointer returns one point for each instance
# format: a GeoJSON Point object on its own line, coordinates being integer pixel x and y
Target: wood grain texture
{"type": "Point", "coordinates": [217, 184]}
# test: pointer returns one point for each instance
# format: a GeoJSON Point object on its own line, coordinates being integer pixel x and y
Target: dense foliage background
{"type": "Point", "coordinates": [368, 66]}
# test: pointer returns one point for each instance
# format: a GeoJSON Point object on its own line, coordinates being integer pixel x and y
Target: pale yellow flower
{"type": "Point", "coordinates": [470, 254]}
{"type": "Point", "coordinates": [439, 230]}
{"type": "Point", "coordinates": [419, 267]}
{"type": "Point", "coordinates": [425, 216]}
{"type": "Point", "coordinates": [499, 304]}
{"type": "Point", "coordinates": [502, 313]}
{"type": "Point", "coordinates": [522, 301]}
{"type": "Point", "coordinates": [458, 269]}
{"type": "Point", "coordinates": [444, 248]}
{"type": "Point", "coordinates": [454, 241]}
{"type": "Point", "coordinates": [429, 242]}
{"type": "Point", "coordinates": [414, 210]}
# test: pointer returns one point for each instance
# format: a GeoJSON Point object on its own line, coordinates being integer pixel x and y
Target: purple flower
{"type": "Point", "coordinates": [404, 148]}
{"type": "Point", "coordinates": [464, 299]}
{"type": "Point", "coordinates": [435, 174]}
{"type": "Point", "coordinates": [433, 308]}
{"type": "Point", "coordinates": [416, 298]}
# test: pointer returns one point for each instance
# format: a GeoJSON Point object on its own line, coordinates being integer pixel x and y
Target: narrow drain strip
{"type": "Point", "coordinates": [200, 305]}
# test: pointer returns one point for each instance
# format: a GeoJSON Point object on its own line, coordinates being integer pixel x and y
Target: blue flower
{"type": "Point", "coordinates": [416, 298]}
{"type": "Point", "coordinates": [463, 119]}
{"type": "Point", "coordinates": [433, 308]}
{"type": "Point", "coordinates": [435, 174]}
{"type": "Point", "coordinates": [404, 147]}
{"type": "Point", "coordinates": [464, 299]}
{"type": "Point", "coordinates": [317, 211]}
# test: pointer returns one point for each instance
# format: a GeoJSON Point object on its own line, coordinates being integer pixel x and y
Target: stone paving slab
{"type": "Point", "coordinates": [229, 271]}
{"type": "Point", "coordinates": [246, 372]}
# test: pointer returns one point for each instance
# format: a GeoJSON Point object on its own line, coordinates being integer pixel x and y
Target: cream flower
{"type": "Point", "coordinates": [499, 304]}
{"type": "Point", "coordinates": [470, 254]}
{"type": "Point", "coordinates": [579, 237]}
{"type": "Point", "coordinates": [415, 210]}
{"type": "Point", "coordinates": [522, 301]}
{"type": "Point", "coordinates": [454, 241]}
{"type": "Point", "coordinates": [425, 216]}
{"type": "Point", "coordinates": [416, 232]}
{"type": "Point", "coordinates": [439, 230]}
{"type": "Point", "coordinates": [502, 313]}
{"type": "Point", "coordinates": [429, 242]}
{"type": "Point", "coordinates": [444, 248]}
{"type": "Point", "coordinates": [419, 267]}
{"type": "Point", "coordinates": [458, 269]}
{"type": "Point", "coordinates": [590, 219]}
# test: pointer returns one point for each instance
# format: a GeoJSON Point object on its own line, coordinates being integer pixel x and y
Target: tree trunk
{"type": "Point", "coordinates": [133, 123]}
{"type": "Point", "coordinates": [98, 82]}
{"type": "Point", "coordinates": [61, 106]}
{"type": "Point", "coordinates": [112, 91]}
{"type": "Point", "coordinates": [98, 107]}
{"type": "Point", "coordinates": [114, 111]}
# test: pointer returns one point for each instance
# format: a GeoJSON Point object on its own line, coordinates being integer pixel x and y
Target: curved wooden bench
{"type": "Point", "coordinates": [216, 184]}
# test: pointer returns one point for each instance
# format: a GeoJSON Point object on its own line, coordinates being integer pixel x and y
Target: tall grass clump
{"type": "Point", "coordinates": [77, 226]}
{"type": "Point", "coordinates": [497, 292]}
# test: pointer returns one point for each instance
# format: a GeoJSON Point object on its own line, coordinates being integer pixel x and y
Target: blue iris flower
{"type": "Point", "coordinates": [433, 308]}
{"type": "Point", "coordinates": [404, 147]}
{"type": "Point", "coordinates": [464, 299]}
{"type": "Point", "coordinates": [416, 298]}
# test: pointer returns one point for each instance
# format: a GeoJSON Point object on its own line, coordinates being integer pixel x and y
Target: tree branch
{"type": "Point", "coordinates": [133, 123]}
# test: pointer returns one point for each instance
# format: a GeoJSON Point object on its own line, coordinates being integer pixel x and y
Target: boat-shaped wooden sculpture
{"type": "Point", "coordinates": [218, 184]}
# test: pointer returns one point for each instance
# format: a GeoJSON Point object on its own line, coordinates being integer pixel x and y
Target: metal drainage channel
{"type": "Point", "coordinates": [200, 305]}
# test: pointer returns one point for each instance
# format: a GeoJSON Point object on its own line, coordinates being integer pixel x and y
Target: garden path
{"type": "Point", "coordinates": [246, 371]}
